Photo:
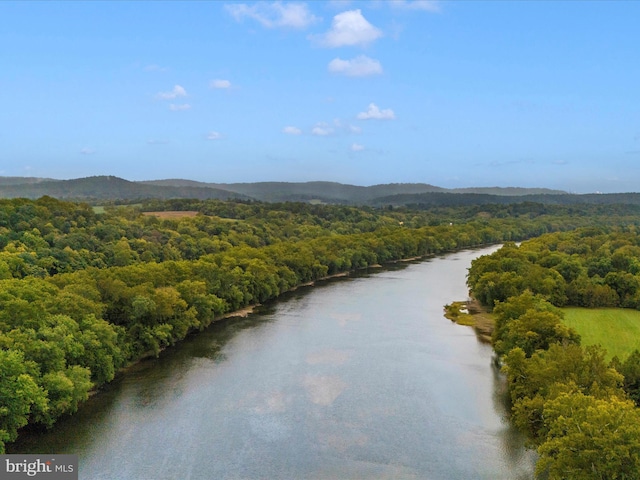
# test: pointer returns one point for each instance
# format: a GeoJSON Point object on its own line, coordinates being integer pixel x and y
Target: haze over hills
{"type": "Point", "coordinates": [109, 188]}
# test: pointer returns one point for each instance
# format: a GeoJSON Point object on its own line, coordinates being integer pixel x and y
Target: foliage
{"type": "Point", "coordinates": [83, 294]}
{"type": "Point", "coordinates": [583, 268]}
{"type": "Point", "coordinates": [532, 380]}
{"type": "Point", "coordinates": [630, 370]}
{"type": "Point", "coordinates": [19, 392]}
{"type": "Point", "coordinates": [535, 331]}
{"type": "Point", "coordinates": [590, 438]}
{"type": "Point", "coordinates": [522, 321]}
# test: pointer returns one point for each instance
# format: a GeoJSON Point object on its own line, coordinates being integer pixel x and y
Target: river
{"type": "Point", "coordinates": [356, 378]}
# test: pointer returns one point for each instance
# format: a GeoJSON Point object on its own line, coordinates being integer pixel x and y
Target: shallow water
{"type": "Point", "coordinates": [358, 378]}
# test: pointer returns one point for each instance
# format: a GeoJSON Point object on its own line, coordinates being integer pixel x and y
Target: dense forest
{"type": "Point", "coordinates": [579, 410]}
{"type": "Point", "coordinates": [85, 291]}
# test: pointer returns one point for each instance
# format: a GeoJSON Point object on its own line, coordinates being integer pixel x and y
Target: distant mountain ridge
{"type": "Point", "coordinates": [107, 188]}
{"type": "Point", "coordinates": [24, 180]}
{"type": "Point", "coordinates": [110, 188]}
{"type": "Point", "coordinates": [99, 188]}
{"type": "Point", "coordinates": [283, 191]}
{"type": "Point", "coordinates": [323, 191]}
{"type": "Point", "coordinates": [375, 190]}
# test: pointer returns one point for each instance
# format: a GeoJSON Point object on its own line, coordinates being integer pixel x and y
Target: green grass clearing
{"type": "Point", "coordinates": [616, 329]}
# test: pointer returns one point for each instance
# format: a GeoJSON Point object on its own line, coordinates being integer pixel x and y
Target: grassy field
{"type": "Point", "coordinates": [172, 215]}
{"type": "Point", "coordinates": [616, 329]}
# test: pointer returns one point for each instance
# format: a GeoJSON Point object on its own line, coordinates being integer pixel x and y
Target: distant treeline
{"type": "Point", "coordinates": [431, 199]}
{"type": "Point", "coordinates": [83, 294]}
{"type": "Point", "coordinates": [577, 409]}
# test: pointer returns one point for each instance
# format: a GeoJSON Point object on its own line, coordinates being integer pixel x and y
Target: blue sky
{"type": "Point", "coordinates": [451, 93]}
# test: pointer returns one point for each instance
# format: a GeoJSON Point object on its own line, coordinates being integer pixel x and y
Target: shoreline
{"type": "Point", "coordinates": [245, 312]}
{"type": "Point", "coordinates": [470, 313]}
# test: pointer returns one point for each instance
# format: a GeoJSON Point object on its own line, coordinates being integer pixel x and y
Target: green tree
{"type": "Point", "coordinates": [535, 331]}
{"type": "Point", "coordinates": [20, 394]}
{"type": "Point", "coordinates": [630, 370]}
{"type": "Point", "coordinates": [590, 439]}
{"type": "Point", "coordinates": [515, 307]}
{"type": "Point", "coordinates": [531, 381]}
{"type": "Point", "coordinates": [65, 390]}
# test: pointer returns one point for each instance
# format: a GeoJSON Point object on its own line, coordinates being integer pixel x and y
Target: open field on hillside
{"type": "Point", "coordinates": [173, 214]}
{"type": "Point", "coordinates": [616, 329]}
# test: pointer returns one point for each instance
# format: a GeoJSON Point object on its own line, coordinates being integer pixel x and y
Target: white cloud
{"type": "Point", "coordinates": [87, 151]}
{"type": "Point", "coordinates": [179, 108]}
{"type": "Point", "coordinates": [322, 130]}
{"type": "Point", "coordinates": [354, 129]}
{"type": "Point", "coordinates": [349, 28]}
{"type": "Point", "coordinates": [424, 5]}
{"type": "Point", "coordinates": [361, 66]}
{"type": "Point", "coordinates": [274, 14]}
{"type": "Point", "coordinates": [218, 83]}
{"type": "Point", "coordinates": [356, 147]}
{"type": "Point", "coordinates": [374, 113]}
{"type": "Point", "coordinates": [214, 135]}
{"type": "Point", "coordinates": [177, 91]}
{"type": "Point", "coordinates": [292, 131]}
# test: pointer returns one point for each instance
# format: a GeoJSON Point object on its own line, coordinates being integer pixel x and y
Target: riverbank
{"type": "Point", "coordinates": [250, 309]}
{"type": "Point", "coordinates": [470, 313]}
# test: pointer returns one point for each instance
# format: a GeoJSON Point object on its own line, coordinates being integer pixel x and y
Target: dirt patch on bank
{"type": "Point", "coordinates": [472, 314]}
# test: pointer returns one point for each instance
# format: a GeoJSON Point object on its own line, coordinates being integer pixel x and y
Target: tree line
{"type": "Point", "coordinates": [83, 294]}
{"type": "Point", "coordinates": [587, 267]}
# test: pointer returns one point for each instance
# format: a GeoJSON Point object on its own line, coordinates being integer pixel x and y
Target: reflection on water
{"type": "Point", "coordinates": [357, 378]}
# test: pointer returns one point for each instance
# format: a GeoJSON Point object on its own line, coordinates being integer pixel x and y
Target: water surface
{"type": "Point", "coordinates": [361, 378]}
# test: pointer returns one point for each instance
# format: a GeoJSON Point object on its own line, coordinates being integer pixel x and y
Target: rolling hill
{"type": "Point", "coordinates": [109, 188]}
{"type": "Point", "coordinates": [102, 188]}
